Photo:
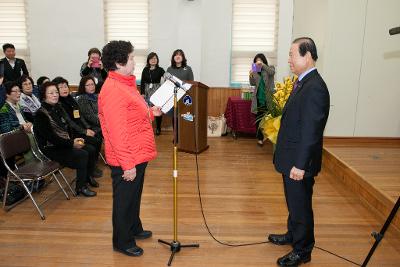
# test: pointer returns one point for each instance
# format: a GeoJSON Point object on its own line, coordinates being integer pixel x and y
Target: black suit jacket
{"type": "Point", "coordinates": [303, 122]}
{"type": "Point", "coordinates": [13, 74]}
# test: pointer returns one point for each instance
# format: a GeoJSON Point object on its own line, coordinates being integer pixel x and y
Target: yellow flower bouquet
{"type": "Point", "coordinates": [270, 122]}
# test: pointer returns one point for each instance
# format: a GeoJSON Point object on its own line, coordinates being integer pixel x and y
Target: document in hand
{"type": "Point", "coordinates": [164, 96]}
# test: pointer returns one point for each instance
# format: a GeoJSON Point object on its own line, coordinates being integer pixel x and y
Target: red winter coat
{"type": "Point", "coordinates": [125, 122]}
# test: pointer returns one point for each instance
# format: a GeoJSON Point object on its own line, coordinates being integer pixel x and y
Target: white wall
{"type": "Point", "coordinates": [378, 109]}
{"type": "Point", "coordinates": [358, 60]}
{"type": "Point", "coordinates": [60, 34]}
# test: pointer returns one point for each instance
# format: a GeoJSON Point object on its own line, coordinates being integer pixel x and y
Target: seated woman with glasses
{"type": "Point", "coordinates": [29, 102]}
{"type": "Point", "coordinates": [87, 101]}
{"type": "Point", "coordinates": [53, 134]}
{"type": "Point", "coordinates": [11, 118]}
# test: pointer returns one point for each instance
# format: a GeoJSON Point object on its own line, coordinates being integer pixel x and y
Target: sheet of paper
{"type": "Point", "coordinates": [164, 96]}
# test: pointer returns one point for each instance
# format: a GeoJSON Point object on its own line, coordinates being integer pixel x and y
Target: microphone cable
{"type": "Point", "coordinates": [239, 244]}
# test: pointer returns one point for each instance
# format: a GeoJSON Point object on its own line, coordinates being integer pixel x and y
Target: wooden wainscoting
{"type": "Point", "coordinates": [217, 98]}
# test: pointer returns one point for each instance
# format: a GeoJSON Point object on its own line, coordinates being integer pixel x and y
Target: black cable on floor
{"type": "Point", "coordinates": [242, 244]}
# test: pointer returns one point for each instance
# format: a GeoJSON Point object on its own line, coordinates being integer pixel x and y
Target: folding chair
{"type": "Point", "coordinates": [42, 157]}
{"type": "Point", "coordinates": [15, 143]}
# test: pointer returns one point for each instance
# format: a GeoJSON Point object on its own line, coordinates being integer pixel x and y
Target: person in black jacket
{"type": "Point", "coordinates": [151, 81]}
{"type": "Point", "coordinates": [79, 126]}
{"type": "Point", "coordinates": [52, 131]}
{"type": "Point", "coordinates": [94, 67]}
{"type": "Point", "coordinates": [13, 67]}
{"type": "Point", "coordinates": [298, 153]}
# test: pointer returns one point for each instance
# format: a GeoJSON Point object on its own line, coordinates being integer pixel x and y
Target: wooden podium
{"type": "Point", "coordinates": [192, 119]}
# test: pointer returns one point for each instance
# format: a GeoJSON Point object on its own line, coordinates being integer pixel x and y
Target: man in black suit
{"type": "Point", "coordinates": [298, 153]}
{"type": "Point", "coordinates": [13, 67]}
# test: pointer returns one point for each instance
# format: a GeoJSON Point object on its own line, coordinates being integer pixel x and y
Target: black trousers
{"type": "Point", "coordinates": [300, 221]}
{"type": "Point", "coordinates": [83, 160]}
{"type": "Point", "coordinates": [127, 196]}
{"type": "Point", "coordinates": [260, 135]}
{"type": "Point", "coordinates": [158, 122]}
{"type": "Point", "coordinates": [95, 141]}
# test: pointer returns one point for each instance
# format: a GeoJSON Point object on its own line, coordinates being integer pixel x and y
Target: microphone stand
{"type": "Point", "coordinates": [378, 236]}
{"type": "Point", "coordinates": [175, 245]}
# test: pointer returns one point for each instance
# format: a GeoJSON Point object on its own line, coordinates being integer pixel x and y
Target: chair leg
{"type": "Point", "coordinates": [66, 181]}
{"type": "Point", "coordinates": [5, 192]}
{"type": "Point", "coordinates": [59, 184]}
{"type": "Point", "coordinates": [102, 157]}
{"type": "Point", "coordinates": [33, 201]}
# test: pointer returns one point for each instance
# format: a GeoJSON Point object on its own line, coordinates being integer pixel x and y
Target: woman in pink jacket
{"type": "Point", "coordinates": [125, 121]}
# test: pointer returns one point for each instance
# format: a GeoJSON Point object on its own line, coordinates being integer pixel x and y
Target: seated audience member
{"type": "Point", "coordinates": [87, 101]}
{"type": "Point", "coordinates": [52, 132]}
{"type": "Point", "coordinates": [41, 80]}
{"type": "Point", "coordinates": [13, 67]}
{"type": "Point", "coordinates": [79, 126]}
{"type": "Point", "coordinates": [94, 67]}
{"type": "Point", "coordinates": [11, 116]}
{"type": "Point", "coordinates": [29, 102]}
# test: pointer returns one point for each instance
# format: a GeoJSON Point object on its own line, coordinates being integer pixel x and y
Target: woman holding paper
{"type": "Point", "coordinates": [125, 121]}
{"type": "Point", "coordinates": [151, 81]}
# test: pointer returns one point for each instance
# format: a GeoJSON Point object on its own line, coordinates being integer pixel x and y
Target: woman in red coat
{"type": "Point", "coordinates": [125, 121]}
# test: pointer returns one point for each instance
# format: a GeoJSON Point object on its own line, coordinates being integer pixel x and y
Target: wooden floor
{"type": "Point", "coordinates": [243, 201]}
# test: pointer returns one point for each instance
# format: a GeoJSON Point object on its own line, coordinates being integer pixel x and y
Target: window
{"type": "Point", "coordinates": [254, 30]}
{"type": "Point", "coordinates": [13, 27]}
{"type": "Point", "coordinates": [128, 20]}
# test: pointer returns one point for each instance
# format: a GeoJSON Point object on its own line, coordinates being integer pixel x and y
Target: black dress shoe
{"type": "Point", "coordinates": [133, 251]}
{"type": "Point", "coordinates": [158, 131]}
{"type": "Point", "coordinates": [293, 259]}
{"type": "Point", "coordinates": [86, 192]}
{"type": "Point", "coordinates": [284, 239]}
{"type": "Point", "coordinates": [97, 173]}
{"type": "Point", "coordinates": [143, 235]}
{"type": "Point", "coordinates": [92, 182]}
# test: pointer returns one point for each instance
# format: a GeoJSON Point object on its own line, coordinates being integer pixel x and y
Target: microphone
{"type": "Point", "coordinates": [174, 80]}
{"type": "Point", "coordinates": [394, 31]}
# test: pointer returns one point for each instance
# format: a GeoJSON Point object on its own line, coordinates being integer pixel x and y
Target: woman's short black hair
{"type": "Point", "coordinates": [306, 44]}
{"type": "Point", "coordinates": [150, 56]}
{"type": "Point", "coordinates": [43, 89]}
{"type": "Point", "coordinates": [262, 57]}
{"type": "Point", "coordinates": [176, 52]}
{"type": "Point", "coordinates": [116, 52]}
{"type": "Point", "coordinates": [9, 86]}
{"type": "Point", "coordinates": [41, 79]}
{"type": "Point", "coordinates": [94, 50]}
{"type": "Point", "coordinates": [58, 80]}
{"type": "Point", "coordinates": [23, 79]}
{"type": "Point", "coordinates": [82, 83]}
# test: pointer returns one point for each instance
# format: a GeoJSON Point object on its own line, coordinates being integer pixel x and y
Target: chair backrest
{"type": "Point", "coordinates": [14, 143]}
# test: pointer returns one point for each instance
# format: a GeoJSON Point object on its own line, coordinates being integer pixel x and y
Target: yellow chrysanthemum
{"type": "Point", "coordinates": [271, 127]}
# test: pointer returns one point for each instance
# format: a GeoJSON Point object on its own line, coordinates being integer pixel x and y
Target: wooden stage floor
{"type": "Point", "coordinates": [243, 202]}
